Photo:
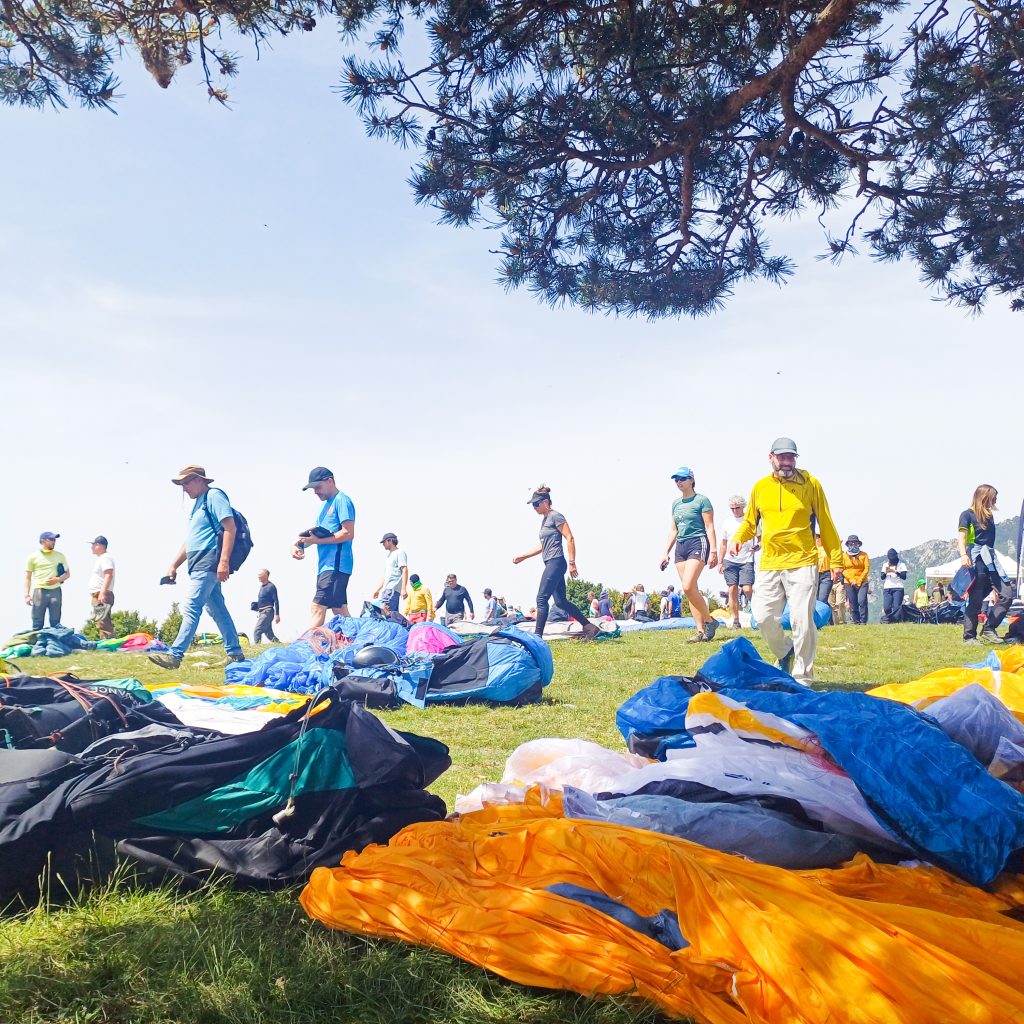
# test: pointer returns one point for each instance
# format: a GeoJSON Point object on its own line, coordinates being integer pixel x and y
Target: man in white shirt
{"type": "Point", "coordinates": [395, 583]}
{"type": "Point", "coordinates": [737, 569]}
{"type": "Point", "coordinates": [101, 588]}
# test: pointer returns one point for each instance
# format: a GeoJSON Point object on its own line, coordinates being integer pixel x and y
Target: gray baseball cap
{"type": "Point", "coordinates": [784, 446]}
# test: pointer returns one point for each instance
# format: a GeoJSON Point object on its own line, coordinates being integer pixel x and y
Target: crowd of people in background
{"type": "Point", "coordinates": [777, 552]}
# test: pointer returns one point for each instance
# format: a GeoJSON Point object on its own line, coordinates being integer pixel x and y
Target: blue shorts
{"type": "Point", "coordinates": [738, 574]}
{"type": "Point", "coordinates": [390, 598]}
{"type": "Point", "coordinates": [693, 547]}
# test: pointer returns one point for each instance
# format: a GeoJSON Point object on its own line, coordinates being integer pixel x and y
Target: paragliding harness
{"type": "Point", "coordinates": [243, 538]}
{"type": "Point", "coordinates": [60, 713]}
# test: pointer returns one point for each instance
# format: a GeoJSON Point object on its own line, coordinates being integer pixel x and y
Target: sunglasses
{"type": "Point", "coordinates": [537, 504]}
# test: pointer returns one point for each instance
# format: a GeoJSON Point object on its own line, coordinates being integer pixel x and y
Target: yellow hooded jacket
{"type": "Point", "coordinates": [420, 599]}
{"type": "Point", "coordinates": [788, 511]}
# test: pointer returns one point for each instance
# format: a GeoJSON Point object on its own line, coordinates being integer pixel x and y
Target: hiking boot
{"type": "Point", "coordinates": [235, 657]}
{"type": "Point", "coordinates": [590, 632]}
{"type": "Point", "coordinates": [710, 629]}
{"type": "Point", "coordinates": [168, 661]}
{"type": "Point", "coordinates": [698, 638]}
{"type": "Point", "coordinates": [972, 640]}
{"type": "Point", "coordinates": [786, 662]}
{"type": "Point", "coordinates": [989, 636]}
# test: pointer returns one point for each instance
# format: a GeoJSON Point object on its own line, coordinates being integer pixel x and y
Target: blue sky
{"type": "Point", "coordinates": [254, 289]}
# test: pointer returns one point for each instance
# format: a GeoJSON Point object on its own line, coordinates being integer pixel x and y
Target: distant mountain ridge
{"type": "Point", "coordinates": [934, 552]}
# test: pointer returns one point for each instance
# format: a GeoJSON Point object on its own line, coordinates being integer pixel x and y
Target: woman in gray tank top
{"type": "Point", "coordinates": [553, 529]}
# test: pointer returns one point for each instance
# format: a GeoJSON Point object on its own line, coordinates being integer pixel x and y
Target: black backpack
{"type": "Point", "coordinates": [243, 538]}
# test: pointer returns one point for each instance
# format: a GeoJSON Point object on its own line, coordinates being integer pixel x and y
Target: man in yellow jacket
{"type": "Point", "coordinates": [790, 507]}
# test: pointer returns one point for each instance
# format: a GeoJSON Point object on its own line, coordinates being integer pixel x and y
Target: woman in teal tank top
{"type": "Point", "coordinates": [694, 545]}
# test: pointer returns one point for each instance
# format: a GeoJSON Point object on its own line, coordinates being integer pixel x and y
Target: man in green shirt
{"type": "Point", "coordinates": [45, 571]}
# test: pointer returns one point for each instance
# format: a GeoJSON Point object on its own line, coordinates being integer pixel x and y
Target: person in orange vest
{"type": "Point", "coordinates": [856, 569]}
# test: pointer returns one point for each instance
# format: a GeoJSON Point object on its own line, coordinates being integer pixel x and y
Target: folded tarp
{"type": "Point", "coordinates": [860, 945]}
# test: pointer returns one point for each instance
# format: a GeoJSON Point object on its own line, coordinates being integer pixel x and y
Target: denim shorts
{"type": "Point", "coordinates": [738, 574]}
{"type": "Point", "coordinates": [693, 547]}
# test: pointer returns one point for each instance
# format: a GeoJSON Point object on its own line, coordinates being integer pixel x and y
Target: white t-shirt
{"type": "Point", "coordinates": [728, 528]}
{"type": "Point", "coordinates": [103, 563]}
{"type": "Point", "coordinates": [394, 562]}
{"type": "Point", "coordinates": [892, 581]}
{"type": "Point", "coordinates": [640, 600]}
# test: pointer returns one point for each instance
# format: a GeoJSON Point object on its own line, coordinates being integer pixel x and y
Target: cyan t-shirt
{"type": "Point", "coordinates": [688, 514]}
{"type": "Point", "coordinates": [335, 512]}
{"type": "Point", "coordinates": [202, 544]}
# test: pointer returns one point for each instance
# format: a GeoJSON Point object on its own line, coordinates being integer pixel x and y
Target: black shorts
{"type": "Point", "coordinates": [332, 589]}
{"type": "Point", "coordinates": [693, 547]}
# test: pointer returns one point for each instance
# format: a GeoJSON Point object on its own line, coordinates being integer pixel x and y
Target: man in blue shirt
{"type": "Point", "coordinates": [332, 535]}
{"type": "Point", "coordinates": [207, 548]}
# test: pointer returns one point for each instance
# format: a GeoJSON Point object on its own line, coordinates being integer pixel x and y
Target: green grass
{"type": "Point", "coordinates": [124, 955]}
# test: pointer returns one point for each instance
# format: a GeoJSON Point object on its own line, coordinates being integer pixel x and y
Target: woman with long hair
{"type": "Point", "coordinates": [553, 530]}
{"type": "Point", "coordinates": [692, 540]}
{"type": "Point", "coordinates": [976, 539]}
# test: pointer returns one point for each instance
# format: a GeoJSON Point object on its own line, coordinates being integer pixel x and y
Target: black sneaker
{"type": "Point", "coordinates": [168, 661]}
{"type": "Point", "coordinates": [786, 662]}
{"type": "Point", "coordinates": [710, 629]}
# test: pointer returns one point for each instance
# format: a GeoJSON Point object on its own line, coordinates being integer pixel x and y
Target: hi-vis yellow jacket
{"type": "Point", "coordinates": [789, 512]}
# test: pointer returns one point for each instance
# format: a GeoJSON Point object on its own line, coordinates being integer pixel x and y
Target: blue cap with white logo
{"type": "Point", "coordinates": [683, 473]}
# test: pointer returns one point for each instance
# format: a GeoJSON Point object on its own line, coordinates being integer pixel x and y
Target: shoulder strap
{"type": "Point", "coordinates": [215, 526]}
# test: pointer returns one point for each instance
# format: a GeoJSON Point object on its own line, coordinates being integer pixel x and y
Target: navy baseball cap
{"type": "Point", "coordinates": [683, 473]}
{"type": "Point", "coordinates": [99, 539]}
{"type": "Point", "coordinates": [318, 475]}
{"type": "Point", "coordinates": [46, 535]}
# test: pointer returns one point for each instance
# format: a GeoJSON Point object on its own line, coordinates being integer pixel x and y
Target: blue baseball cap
{"type": "Point", "coordinates": [47, 535]}
{"type": "Point", "coordinates": [683, 473]}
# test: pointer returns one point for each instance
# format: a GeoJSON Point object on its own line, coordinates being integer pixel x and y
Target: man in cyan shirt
{"type": "Point", "coordinates": [332, 536]}
{"type": "Point", "coordinates": [207, 550]}
{"type": "Point", "coordinates": [45, 571]}
{"type": "Point", "coordinates": [268, 609]}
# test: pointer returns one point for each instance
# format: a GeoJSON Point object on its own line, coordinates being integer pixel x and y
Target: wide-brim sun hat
{"type": "Point", "coordinates": [186, 471]}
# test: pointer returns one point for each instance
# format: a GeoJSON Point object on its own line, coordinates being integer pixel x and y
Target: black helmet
{"type": "Point", "coordinates": [374, 655]}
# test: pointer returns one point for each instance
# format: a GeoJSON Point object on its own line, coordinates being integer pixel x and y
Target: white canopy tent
{"type": "Point", "coordinates": [944, 573]}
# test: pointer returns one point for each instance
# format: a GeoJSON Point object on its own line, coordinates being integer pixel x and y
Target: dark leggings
{"type": "Point", "coordinates": [983, 583]}
{"type": "Point", "coordinates": [552, 585]}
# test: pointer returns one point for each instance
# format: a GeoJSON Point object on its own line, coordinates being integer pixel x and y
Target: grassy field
{"type": "Point", "coordinates": [126, 955]}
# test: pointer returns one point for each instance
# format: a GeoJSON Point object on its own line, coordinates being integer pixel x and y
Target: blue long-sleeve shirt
{"type": "Point", "coordinates": [268, 598]}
